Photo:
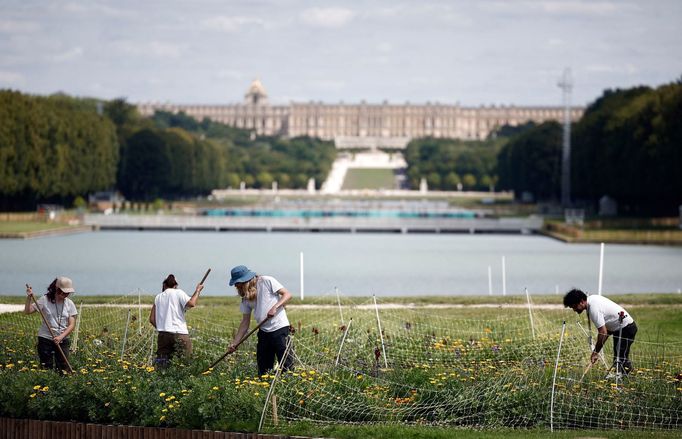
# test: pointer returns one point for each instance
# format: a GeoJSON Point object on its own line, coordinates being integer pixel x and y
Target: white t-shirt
{"type": "Point", "coordinates": [266, 298]}
{"type": "Point", "coordinates": [170, 311]}
{"type": "Point", "coordinates": [604, 312]}
{"type": "Point", "coordinates": [57, 315]}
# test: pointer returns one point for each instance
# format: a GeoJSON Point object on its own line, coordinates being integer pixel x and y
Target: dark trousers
{"type": "Point", "coordinates": [271, 344]}
{"type": "Point", "coordinates": [169, 344]}
{"type": "Point", "coordinates": [50, 358]}
{"type": "Point", "coordinates": [621, 348]}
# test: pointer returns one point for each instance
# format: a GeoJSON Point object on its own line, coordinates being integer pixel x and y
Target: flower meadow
{"type": "Point", "coordinates": [478, 369]}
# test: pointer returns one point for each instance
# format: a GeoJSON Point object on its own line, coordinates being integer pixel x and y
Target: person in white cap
{"type": "Point", "coordinates": [266, 297]}
{"type": "Point", "coordinates": [60, 313]}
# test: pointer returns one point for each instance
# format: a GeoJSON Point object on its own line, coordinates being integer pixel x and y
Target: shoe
{"type": "Point", "coordinates": [612, 375]}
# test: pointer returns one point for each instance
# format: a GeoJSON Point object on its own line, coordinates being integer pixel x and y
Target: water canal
{"type": "Point", "coordinates": [119, 262]}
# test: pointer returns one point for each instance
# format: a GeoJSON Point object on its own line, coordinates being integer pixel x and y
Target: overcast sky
{"type": "Point", "coordinates": [208, 51]}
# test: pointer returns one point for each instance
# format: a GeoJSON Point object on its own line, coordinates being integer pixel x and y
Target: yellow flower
{"type": "Point", "coordinates": [162, 394]}
{"type": "Point", "coordinates": [256, 393]}
{"type": "Point", "coordinates": [33, 395]}
{"type": "Point", "coordinates": [216, 388]}
{"type": "Point", "coordinates": [162, 418]}
{"type": "Point", "coordinates": [45, 389]}
{"type": "Point", "coordinates": [37, 387]}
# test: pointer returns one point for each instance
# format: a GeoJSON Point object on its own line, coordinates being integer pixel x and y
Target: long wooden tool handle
{"type": "Point", "coordinates": [59, 348]}
{"type": "Point", "coordinates": [205, 276]}
{"type": "Point", "coordinates": [243, 339]}
{"type": "Point", "coordinates": [587, 369]}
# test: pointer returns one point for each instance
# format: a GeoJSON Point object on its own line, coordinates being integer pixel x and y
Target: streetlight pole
{"type": "Point", "coordinates": [566, 85]}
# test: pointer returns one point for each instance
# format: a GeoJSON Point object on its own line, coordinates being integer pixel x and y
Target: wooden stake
{"type": "Point", "coordinates": [275, 418]}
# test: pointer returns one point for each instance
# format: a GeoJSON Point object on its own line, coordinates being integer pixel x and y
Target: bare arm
{"type": "Point", "coordinates": [285, 296]}
{"type": "Point", "coordinates": [602, 336]}
{"type": "Point", "coordinates": [192, 302]}
{"type": "Point", "coordinates": [152, 316]}
{"type": "Point", "coordinates": [243, 327]}
{"type": "Point", "coordinates": [67, 331]}
{"type": "Point", "coordinates": [28, 307]}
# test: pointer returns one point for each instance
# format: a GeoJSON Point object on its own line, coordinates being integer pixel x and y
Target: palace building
{"type": "Point", "coordinates": [364, 125]}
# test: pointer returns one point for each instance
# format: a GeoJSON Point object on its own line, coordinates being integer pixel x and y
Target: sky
{"type": "Point", "coordinates": [472, 53]}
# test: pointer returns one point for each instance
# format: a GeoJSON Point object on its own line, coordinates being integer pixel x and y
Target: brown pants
{"type": "Point", "coordinates": [169, 344]}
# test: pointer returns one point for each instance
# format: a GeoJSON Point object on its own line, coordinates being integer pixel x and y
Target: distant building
{"type": "Point", "coordinates": [105, 201]}
{"type": "Point", "coordinates": [364, 125]}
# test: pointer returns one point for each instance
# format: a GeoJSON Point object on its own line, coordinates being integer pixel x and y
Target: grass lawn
{"type": "Point", "coordinates": [369, 179]}
{"type": "Point", "coordinates": [28, 226]}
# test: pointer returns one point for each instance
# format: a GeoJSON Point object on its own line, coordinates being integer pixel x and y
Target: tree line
{"type": "Point", "coordinates": [627, 146]}
{"type": "Point", "coordinates": [55, 148]}
{"type": "Point", "coordinates": [452, 164]}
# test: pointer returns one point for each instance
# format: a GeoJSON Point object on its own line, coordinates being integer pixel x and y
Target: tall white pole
{"type": "Point", "coordinates": [383, 349]}
{"type": "Point", "coordinates": [566, 84]}
{"type": "Point", "coordinates": [139, 310]}
{"type": "Point", "coordinates": [345, 333]}
{"type": "Point", "coordinates": [504, 278]}
{"type": "Point", "coordinates": [556, 289]}
{"type": "Point", "coordinates": [601, 266]}
{"type": "Point", "coordinates": [338, 300]}
{"type": "Point", "coordinates": [490, 281]}
{"type": "Point", "coordinates": [125, 335]}
{"type": "Point", "coordinates": [301, 269]}
{"type": "Point", "coordinates": [530, 313]}
{"type": "Point", "coordinates": [74, 346]}
{"type": "Point", "coordinates": [556, 367]}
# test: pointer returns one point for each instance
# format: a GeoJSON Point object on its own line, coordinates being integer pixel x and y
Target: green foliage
{"type": "Point", "coordinates": [59, 147]}
{"type": "Point", "coordinates": [80, 203]}
{"type": "Point", "coordinates": [444, 162]}
{"type": "Point", "coordinates": [53, 148]}
{"type": "Point", "coordinates": [627, 146]}
{"type": "Point", "coordinates": [531, 162]}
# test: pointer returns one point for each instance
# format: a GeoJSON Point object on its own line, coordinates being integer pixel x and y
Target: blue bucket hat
{"type": "Point", "coordinates": [241, 273]}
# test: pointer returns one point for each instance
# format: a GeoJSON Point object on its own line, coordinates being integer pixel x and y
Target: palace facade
{"type": "Point", "coordinates": [364, 125]}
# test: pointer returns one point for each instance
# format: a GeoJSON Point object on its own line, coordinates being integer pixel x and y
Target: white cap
{"type": "Point", "coordinates": [65, 284]}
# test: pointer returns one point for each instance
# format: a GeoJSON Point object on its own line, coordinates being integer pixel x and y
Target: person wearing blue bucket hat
{"type": "Point", "coordinates": [266, 297]}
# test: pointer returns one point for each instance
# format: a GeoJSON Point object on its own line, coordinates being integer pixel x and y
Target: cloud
{"type": "Point", "coordinates": [327, 84]}
{"type": "Point", "coordinates": [578, 7]}
{"type": "Point", "coordinates": [155, 49]}
{"type": "Point", "coordinates": [19, 26]}
{"type": "Point", "coordinates": [228, 74]}
{"type": "Point", "coordinates": [11, 78]}
{"type": "Point", "coordinates": [327, 17]}
{"type": "Point", "coordinates": [70, 54]}
{"type": "Point", "coordinates": [384, 47]}
{"type": "Point", "coordinates": [556, 7]}
{"type": "Point", "coordinates": [93, 7]}
{"type": "Point", "coordinates": [224, 23]}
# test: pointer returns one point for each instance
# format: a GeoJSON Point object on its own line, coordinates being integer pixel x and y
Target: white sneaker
{"type": "Point", "coordinates": [612, 375]}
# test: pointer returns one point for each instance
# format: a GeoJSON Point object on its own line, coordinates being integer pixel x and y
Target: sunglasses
{"type": "Point", "coordinates": [63, 293]}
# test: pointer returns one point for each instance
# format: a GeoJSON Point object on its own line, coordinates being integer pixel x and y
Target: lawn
{"type": "Point", "coordinates": [18, 227]}
{"type": "Point", "coordinates": [360, 178]}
